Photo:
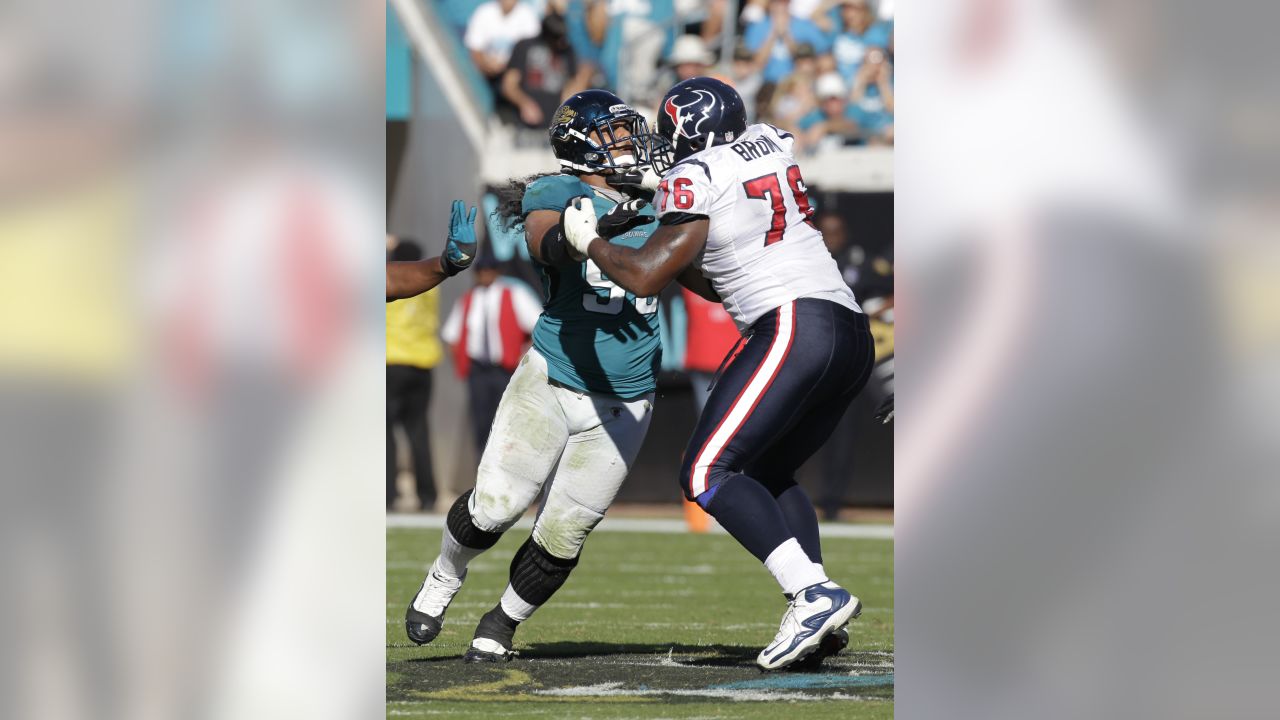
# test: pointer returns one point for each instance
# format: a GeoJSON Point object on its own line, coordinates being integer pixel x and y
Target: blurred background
{"type": "Point", "coordinates": [192, 357]}
{"type": "Point", "coordinates": [1086, 429]}
{"type": "Point", "coordinates": [471, 88]}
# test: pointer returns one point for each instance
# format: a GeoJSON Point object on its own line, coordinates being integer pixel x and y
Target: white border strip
{"type": "Point", "coordinates": [437, 62]}
{"type": "Point", "coordinates": [666, 526]}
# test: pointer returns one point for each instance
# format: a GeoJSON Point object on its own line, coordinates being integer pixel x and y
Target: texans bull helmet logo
{"type": "Point", "coordinates": [696, 114]}
{"type": "Point", "coordinates": [689, 111]}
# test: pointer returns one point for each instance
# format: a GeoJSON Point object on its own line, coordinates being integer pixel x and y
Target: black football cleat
{"type": "Point", "coordinates": [486, 650]}
{"type": "Point", "coordinates": [421, 627]}
{"type": "Point", "coordinates": [493, 638]}
{"type": "Point", "coordinates": [425, 616]}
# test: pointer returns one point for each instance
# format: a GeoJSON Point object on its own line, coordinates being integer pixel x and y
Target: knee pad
{"type": "Point", "coordinates": [464, 529]}
{"type": "Point", "coordinates": [536, 574]}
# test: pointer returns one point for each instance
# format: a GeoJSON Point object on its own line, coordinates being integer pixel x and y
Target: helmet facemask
{"type": "Point", "coordinates": [663, 154]}
{"type": "Point", "coordinates": [604, 137]}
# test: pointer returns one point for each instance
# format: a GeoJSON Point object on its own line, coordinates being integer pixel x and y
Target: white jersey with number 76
{"type": "Point", "coordinates": [763, 249]}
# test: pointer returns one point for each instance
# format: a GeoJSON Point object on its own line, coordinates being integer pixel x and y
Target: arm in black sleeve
{"type": "Point", "coordinates": [554, 249]}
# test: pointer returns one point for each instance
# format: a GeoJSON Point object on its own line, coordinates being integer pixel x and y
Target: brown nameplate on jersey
{"type": "Point", "coordinates": [755, 149]}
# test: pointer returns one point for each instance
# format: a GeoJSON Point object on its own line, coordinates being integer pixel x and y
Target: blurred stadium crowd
{"type": "Point", "coordinates": [821, 69]}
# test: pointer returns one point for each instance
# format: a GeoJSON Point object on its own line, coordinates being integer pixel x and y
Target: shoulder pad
{"type": "Point", "coordinates": [551, 192]}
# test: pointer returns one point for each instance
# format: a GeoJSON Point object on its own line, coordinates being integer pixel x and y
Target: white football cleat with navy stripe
{"type": "Point", "coordinates": [816, 612]}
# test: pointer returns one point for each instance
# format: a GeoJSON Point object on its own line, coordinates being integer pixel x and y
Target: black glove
{"type": "Point", "coordinates": [623, 217]}
{"type": "Point", "coordinates": [634, 177]}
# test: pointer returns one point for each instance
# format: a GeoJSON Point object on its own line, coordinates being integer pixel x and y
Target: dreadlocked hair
{"type": "Point", "coordinates": [510, 210]}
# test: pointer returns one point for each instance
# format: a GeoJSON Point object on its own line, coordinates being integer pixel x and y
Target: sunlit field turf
{"type": "Point", "coordinates": [649, 625]}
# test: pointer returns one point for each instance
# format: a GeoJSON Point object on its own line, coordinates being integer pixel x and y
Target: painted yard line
{"type": "Point", "coordinates": [617, 689]}
{"type": "Point", "coordinates": [667, 526]}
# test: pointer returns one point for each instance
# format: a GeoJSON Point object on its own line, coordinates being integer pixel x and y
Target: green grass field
{"type": "Point", "coordinates": [649, 625]}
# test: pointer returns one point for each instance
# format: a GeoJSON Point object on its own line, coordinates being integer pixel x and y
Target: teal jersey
{"type": "Point", "coordinates": [596, 336]}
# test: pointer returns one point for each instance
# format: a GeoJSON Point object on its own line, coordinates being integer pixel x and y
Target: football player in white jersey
{"type": "Point", "coordinates": [735, 219]}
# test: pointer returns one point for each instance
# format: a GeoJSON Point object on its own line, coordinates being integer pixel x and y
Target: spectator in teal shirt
{"type": "Point", "coordinates": [872, 97]}
{"type": "Point", "coordinates": [857, 33]}
{"type": "Point", "coordinates": [781, 33]}
{"type": "Point", "coordinates": [624, 39]}
{"type": "Point", "coordinates": [845, 118]}
{"type": "Point", "coordinates": [588, 25]}
{"type": "Point", "coordinates": [834, 122]}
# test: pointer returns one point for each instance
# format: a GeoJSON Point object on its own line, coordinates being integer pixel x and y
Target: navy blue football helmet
{"type": "Point", "coordinates": [585, 132]}
{"type": "Point", "coordinates": [696, 114]}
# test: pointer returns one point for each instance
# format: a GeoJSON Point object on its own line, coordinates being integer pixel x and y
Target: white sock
{"type": "Point", "coordinates": [514, 606]}
{"type": "Point", "coordinates": [793, 570]}
{"type": "Point", "coordinates": [454, 556]}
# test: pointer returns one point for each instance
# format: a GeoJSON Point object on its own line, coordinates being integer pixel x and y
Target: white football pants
{"type": "Point", "coordinates": [584, 443]}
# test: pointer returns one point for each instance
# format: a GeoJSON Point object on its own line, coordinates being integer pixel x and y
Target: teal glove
{"type": "Point", "coordinates": [460, 248]}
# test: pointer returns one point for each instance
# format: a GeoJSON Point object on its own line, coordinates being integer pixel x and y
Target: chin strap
{"type": "Point", "coordinates": [567, 165]}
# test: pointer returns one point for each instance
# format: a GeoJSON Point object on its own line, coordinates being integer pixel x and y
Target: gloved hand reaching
{"type": "Point", "coordinates": [623, 217]}
{"type": "Point", "coordinates": [460, 247]}
{"type": "Point", "coordinates": [579, 224]}
{"type": "Point", "coordinates": [636, 177]}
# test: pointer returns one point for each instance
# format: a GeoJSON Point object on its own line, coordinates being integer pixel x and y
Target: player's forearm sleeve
{"type": "Point", "coordinates": [554, 247]}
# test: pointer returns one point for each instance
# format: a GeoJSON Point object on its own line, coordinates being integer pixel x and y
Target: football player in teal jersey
{"type": "Point", "coordinates": [577, 408]}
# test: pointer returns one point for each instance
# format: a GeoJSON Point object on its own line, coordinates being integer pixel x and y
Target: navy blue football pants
{"type": "Point", "coordinates": [779, 400]}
